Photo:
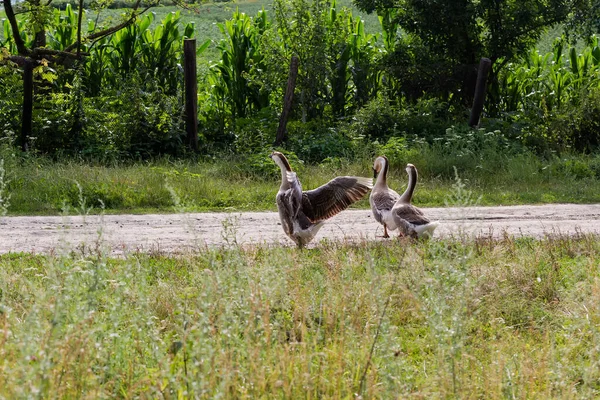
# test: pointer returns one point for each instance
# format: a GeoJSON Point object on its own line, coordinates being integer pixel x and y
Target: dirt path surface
{"type": "Point", "coordinates": [176, 233]}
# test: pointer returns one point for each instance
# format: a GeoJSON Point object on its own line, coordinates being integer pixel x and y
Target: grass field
{"type": "Point", "coordinates": [35, 185]}
{"type": "Point", "coordinates": [514, 318]}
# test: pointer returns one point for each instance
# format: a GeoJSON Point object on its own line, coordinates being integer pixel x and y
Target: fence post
{"type": "Point", "coordinates": [480, 87]}
{"type": "Point", "coordinates": [287, 101]}
{"type": "Point", "coordinates": [27, 116]}
{"type": "Point", "coordinates": [191, 92]}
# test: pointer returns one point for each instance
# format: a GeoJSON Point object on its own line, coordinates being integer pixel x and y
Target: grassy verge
{"type": "Point", "coordinates": [39, 186]}
{"type": "Point", "coordinates": [513, 318]}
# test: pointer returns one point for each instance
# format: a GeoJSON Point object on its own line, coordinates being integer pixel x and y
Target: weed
{"type": "Point", "coordinates": [446, 318]}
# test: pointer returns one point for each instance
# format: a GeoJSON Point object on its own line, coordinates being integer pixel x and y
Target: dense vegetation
{"type": "Point", "coordinates": [457, 318]}
{"type": "Point", "coordinates": [355, 87]}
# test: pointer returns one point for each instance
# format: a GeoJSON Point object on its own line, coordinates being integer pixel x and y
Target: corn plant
{"type": "Point", "coordinates": [9, 42]}
{"type": "Point", "coordinates": [161, 50]}
{"type": "Point", "coordinates": [64, 31]}
{"type": "Point", "coordinates": [365, 76]}
{"type": "Point", "coordinates": [350, 52]}
{"type": "Point", "coordinates": [240, 55]}
{"type": "Point", "coordinates": [154, 54]}
{"type": "Point", "coordinates": [339, 26]}
{"type": "Point", "coordinates": [389, 27]}
{"type": "Point", "coordinates": [550, 81]}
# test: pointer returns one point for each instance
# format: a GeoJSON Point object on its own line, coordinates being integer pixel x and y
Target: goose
{"type": "Point", "coordinates": [409, 219]}
{"type": "Point", "coordinates": [303, 213]}
{"type": "Point", "coordinates": [383, 198]}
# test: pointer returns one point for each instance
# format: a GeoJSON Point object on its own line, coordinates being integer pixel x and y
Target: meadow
{"type": "Point", "coordinates": [36, 185]}
{"type": "Point", "coordinates": [452, 318]}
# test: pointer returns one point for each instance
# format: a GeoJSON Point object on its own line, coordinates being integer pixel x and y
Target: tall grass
{"type": "Point", "coordinates": [249, 183]}
{"type": "Point", "coordinates": [456, 318]}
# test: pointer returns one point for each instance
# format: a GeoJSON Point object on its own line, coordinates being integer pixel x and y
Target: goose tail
{"type": "Point", "coordinates": [427, 229]}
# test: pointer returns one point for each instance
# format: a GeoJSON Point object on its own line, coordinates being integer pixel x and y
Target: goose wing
{"type": "Point", "coordinates": [381, 201]}
{"type": "Point", "coordinates": [295, 193]}
{"type": "Point", "coordinates": [410, 213]}
{"type": "Point", "coordinates": [334, 196]}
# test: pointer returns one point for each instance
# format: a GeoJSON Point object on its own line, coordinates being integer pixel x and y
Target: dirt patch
{"type": "Point", "coordinates": [174, 233]}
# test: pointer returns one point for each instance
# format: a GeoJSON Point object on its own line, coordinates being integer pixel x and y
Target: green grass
{"type": "Point", "coordinates": [515, 318]}
{"type": "Point", "coordinates": [38, 186]}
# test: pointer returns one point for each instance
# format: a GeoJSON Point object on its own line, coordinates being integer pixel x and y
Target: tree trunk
{"type": "Point", "coordinates": [482, 74]}
{"type": "Point", "coordinates": [287, 101]}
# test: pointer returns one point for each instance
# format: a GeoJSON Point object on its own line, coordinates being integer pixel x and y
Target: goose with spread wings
{"type": "Point", "coordinates": [303, 213]}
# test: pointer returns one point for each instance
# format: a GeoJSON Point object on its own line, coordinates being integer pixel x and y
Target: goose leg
{"type": "Point", "coordinates": [385, 232]}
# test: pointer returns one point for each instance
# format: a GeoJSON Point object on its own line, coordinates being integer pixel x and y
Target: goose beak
{"type": "Point", "coordinates": [374, 173]}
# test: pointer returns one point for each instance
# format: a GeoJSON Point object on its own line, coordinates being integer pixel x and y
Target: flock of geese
{"type": "Point", "coordinates": [303, 212]}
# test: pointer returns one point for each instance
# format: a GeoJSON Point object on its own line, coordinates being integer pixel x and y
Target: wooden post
{"type": "Point", "coordinates": [287, 101]}
{"type": "Point", "coordinates": [191, 92]}
{"type": "Point", "coordinates": [27, 116]}
{"type": "Point", "coordinates": [480, 87]}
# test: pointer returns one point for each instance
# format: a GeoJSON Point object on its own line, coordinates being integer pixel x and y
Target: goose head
{"type": "Point", "coordinates": [380, 168]}
{"type": "Point", "coordinates": [411, 170]}
{"type": "Point", "coordinates": [281, 161]}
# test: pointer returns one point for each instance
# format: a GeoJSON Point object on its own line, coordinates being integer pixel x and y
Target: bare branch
{"type": "Point", "coordinates": [19, 60]}
{"type": "Point", "coordinates": [40, 52]}
{"type": "Point", "coordinates": [109, 31]}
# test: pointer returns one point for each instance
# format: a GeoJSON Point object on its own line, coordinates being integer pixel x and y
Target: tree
{"type": "Point", "coordinates": [460, 32]}
{"type": "Point", "coordinates": [37, 54]}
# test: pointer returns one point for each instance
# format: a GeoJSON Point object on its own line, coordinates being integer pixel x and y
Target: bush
{"type": "Point", "coordinates": [399, 152]}
{"type": "Point", "coordinates": [379, 119]}
{"type": "Point", "coordinates": [11, 101]}
{"type": "Point", "coordinates": [133, 122]}
{"type": "Point", "coordinates": [316, 140]}
{"type": "Point", "coordinates": [376, 120]}
{"type": "Point", "coordinates": [253, 135]}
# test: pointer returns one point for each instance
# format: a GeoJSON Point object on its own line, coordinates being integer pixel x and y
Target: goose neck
{"type": "Point", "coordinates": [412, 182]}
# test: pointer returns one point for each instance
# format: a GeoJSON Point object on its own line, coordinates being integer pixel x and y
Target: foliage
{"type": "Point", "coordinates": [155, 55]}
{"type": "Point", "coordinates": [314, 141]}
{"type": "Point", "coordinates": [241, 57]}
{"type": "Point", "coordinates": [381, 119]}
{"type": "Point", "coordinates": [358, 88]}
{"type": "Point", "coordinates": [553, 96]}
{"type": "Point", "coordinates": [460, 33]}
{"type": "Point", "coordinates": [139, 121]}
{"type": "Point", "coordinates": [11, 90]}
{"type": "Point", "coordinates": [336, 73]}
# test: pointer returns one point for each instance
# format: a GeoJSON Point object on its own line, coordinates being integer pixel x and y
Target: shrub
{"type": "Point", "coordinates": [376, 120]}
{"type": "Point", "coordinates": [253, 135]}
{"type": "Point", "coordinates": [399, 152]}
{"type": "Point", "coordinates": [316, 140]}
{"type": "Point", "coordinates": [11, 103]}
{"type": "Point", "coordinates": [380, 119]}
{"type": "Point", "coordinates": [136, 122]}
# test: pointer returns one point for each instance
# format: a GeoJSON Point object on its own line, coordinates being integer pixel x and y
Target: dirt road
{"type": "Point", "coordinates": [121, 234]}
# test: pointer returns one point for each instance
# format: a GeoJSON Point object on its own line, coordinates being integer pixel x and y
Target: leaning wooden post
{"type": "Point", "coordinates": [191, 92]}
{"type": "Point", "coordinates": [27, 117]}
{"type": "Point", "coordinates": [287, 101]}
{"type": "Point", "coordinates": [480, 87]}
